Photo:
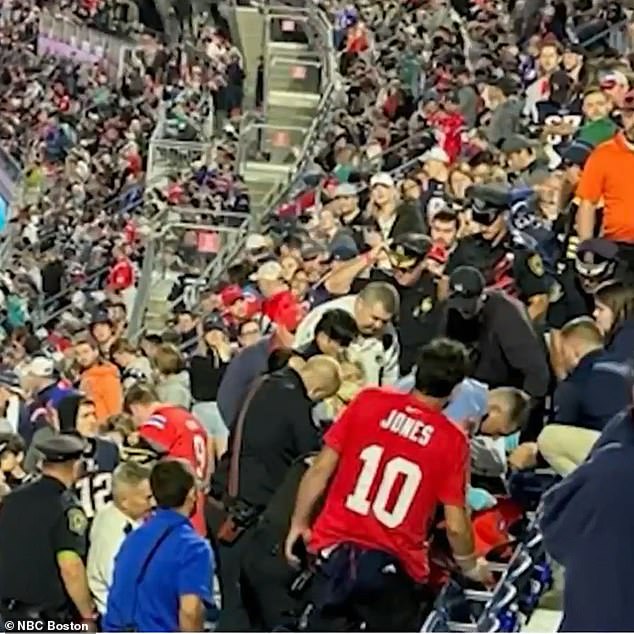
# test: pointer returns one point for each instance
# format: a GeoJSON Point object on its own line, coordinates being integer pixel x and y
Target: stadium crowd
{"type": "Point", "coordinates": [353, 413]}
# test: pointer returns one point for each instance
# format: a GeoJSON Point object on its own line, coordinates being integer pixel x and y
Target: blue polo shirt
{"type": "Point", "coordinates": [597, 389]}
{"type": "Point", "coordinates": [158, 563]}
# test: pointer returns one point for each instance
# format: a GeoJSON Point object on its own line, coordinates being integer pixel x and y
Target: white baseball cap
{"type": "Point", "coordinates": [42, 367]}
{"type": "Point", "coordinates": [269, 271]}
{"type": "Point", "coordinates": [382, 178]}
{"type": "Point", "coordinates": [256, 241]}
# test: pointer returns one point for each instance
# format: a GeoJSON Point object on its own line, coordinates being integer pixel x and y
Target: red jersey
{"type": "Point", "coordinates": [121, 275]}
{"type": "Point", "coordinates": [398, 459]}
{"type": "Point", "coordinates": [180, 433]}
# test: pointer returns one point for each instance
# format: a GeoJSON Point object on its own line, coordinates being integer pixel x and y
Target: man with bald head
{"type": "Point", "coordinates": [274, 428]}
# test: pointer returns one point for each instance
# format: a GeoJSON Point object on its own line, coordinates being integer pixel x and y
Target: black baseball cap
{"type": "Point", "coordinates": [576, 153]}
{"type": "Point", "coordinates": [213, 321]}
{"type": "Point", "coordinates": [466, 286]}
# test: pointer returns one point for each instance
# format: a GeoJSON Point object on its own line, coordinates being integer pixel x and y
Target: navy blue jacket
{"type": "Point", "coordinates": [588, 523]}
{"type": "Point", "coordinates": [594, 392]}
{"type": "Point", "coordinates": [240, 374]}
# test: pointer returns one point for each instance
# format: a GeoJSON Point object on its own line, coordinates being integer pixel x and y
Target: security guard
{"type": "Point", "coordinates": [506, 264]}
{"type": "Point", "coordinates": [43, 541]}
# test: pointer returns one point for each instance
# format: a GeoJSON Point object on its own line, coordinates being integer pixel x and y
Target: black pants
{"type": "Point", "coordinates": [400, 606]}
{"type": "Point", "coordinates": [265, 582]}
{"type": "Point", "coordinates": [233, 616]}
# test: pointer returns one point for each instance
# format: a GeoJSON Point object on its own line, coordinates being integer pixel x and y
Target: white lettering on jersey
{"type": "Point", "coordinates": [402, 425]}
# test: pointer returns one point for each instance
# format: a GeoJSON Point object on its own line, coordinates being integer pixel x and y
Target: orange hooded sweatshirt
{"type": "Point", "coordinates": [102, 385]}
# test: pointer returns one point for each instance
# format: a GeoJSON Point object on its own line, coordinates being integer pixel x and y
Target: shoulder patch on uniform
{"type": "Point", "coordinates": [77, 521]}
{"type": "Point", "coordinates": [156, 421]}
{"type": "Point", "coordinates": [535, 264]}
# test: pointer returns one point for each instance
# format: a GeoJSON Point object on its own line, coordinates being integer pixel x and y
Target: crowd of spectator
{"type": "Point", "coordinates": [458, 254]}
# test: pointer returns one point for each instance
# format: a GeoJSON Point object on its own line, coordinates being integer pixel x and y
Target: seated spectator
{"type": "Point", "coordinates": [172, 383]}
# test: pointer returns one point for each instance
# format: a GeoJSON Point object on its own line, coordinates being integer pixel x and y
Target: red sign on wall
{"type": "Point", "coordinates": [298, 72]}
{"type": "Point", "coordinates": [208, 242]}
{"type": "Point", "coordinates": [280, 139]}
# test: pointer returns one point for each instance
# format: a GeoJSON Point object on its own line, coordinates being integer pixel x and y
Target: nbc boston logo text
{"type": "Point", "coordinates": [43, 625]}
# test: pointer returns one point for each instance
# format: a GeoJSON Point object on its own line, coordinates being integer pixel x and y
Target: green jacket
{"type": "Point", "coordinates": [598, 131]}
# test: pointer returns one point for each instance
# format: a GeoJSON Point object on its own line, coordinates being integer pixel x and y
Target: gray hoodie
{"type": "Point", "coordinates": [174, 389]}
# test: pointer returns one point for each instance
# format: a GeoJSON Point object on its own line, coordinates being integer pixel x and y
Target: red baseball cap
{"type": "Point", "coordinates": [231, 294]}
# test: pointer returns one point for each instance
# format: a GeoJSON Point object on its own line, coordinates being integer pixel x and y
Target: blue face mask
{"type": "Point", "coordinates": [511, 442]}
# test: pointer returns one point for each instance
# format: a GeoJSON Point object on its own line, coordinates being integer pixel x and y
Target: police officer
{"type": "Point", "coordinates": [506, 263]}
{"type": "Point", "coordinates": [417, 291]}
{"type": "Point", "coordinates": [43, 542]}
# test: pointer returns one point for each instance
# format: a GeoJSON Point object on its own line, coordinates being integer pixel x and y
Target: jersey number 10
{"type": "Point", "coordinates": [359, 500]}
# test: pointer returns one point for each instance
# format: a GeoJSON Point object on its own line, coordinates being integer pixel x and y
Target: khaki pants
{"type": "Point", "coordinates": [565, 447]}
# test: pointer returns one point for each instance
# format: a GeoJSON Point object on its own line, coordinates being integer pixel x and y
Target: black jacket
{"type": "Point", "coordinates": [506, 349]}
{"type": "Point", "coordinates": [278, 429]}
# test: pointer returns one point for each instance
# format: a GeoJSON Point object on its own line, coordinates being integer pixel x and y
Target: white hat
{"type": "Point", "coordinates": [269, 271]}
{"type": "Point", "coordinates": [256, 241]}
{"type": "Point", "coordinates": [40, 366]}
{"type": "Point", "coordinates": [436, 154]}
{"type": "Point", "coordinates": [382, 179]}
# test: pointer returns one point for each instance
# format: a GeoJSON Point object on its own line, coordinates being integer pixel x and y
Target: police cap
{"type": "Point", "coordinates": [488, 202]}
{"type": "Point", "coordinates": [596, 258]}
{"type": "Point", "coordinates": [408, 249]}
{"type": "Point", "coordinates": [62, 448]}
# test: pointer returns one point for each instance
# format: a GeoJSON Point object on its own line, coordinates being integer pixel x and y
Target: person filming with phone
{"type": "Point", "coordinates": [388, 461]}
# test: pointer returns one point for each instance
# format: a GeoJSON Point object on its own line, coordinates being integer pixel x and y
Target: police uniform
{"type": "Point", "coordinates": [37, 522]}
{"type": "Point", "coordinates": [416, 317]}
{"type": "Point", "coordinates": [508, 264]}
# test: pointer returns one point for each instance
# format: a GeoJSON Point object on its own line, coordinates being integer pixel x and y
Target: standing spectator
{"type": "Point", "coordinates": [12, 452]}
{"type": "Point", "coordinates": [121, 277]}
{"type": "Point", "coordinates": [206, 369]}
{"type": "Point", "coordinates": [163, 573]}
{"type": "Point", "coordinates": [175, 432]}
{"type": "Point", "coordinates": [277, 428]}
{"type": "Point", "coordinates": [98, 379]}
{"type": "Point", "coordinates": [172, 383]}
{"type": "Point", "coordinates": [102, 330]}
{"type": "Point", "coordinates": [131, 502]}
{"type": "Point", "coordinates": [13, 409]}
{"type": "Point", "coordinates": [132, 364]}
{"type": "Point", "coordinates": [381, 434]}
{"type": "Point", "coordinates": [373, 310]}
{"type": "Point", "coordinates": [606, 177]}
{"type": "Point", "coordinates": [594, 500]}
